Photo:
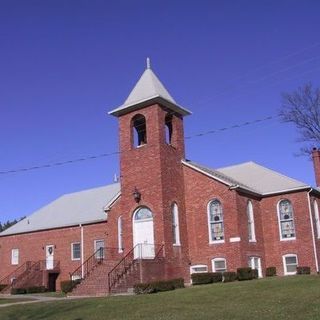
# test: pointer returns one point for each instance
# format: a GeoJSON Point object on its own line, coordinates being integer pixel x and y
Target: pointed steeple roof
{"type": "Point", "coordinates": [148, 90]}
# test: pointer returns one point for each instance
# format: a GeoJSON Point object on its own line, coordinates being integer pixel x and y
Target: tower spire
{"type": "Point", "coordinates": [148, 63]}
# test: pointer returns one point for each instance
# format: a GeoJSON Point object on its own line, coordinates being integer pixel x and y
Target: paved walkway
{"type": "Point", "coordinates": [32, 299]}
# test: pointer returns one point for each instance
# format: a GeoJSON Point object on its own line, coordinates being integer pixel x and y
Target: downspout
{"type": "Point", "coordinates": [82, 250]}
{"type": "Point", "coordinates": [312, 230]}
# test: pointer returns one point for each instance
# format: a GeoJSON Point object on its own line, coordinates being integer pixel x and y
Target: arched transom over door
{"type": "Point", "coordinates": [143, 235]}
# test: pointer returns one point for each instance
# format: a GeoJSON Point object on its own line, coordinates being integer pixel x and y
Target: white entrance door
{"type": "Point", "coordinates": [49, 257]}
{"type": "Point", "coordinates": [143, 235]}
{"type": "Point", "coordinates": [255, 263]}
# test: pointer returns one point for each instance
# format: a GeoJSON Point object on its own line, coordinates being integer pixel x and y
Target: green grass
{"type": "Point", "coordinates": [295, 298]}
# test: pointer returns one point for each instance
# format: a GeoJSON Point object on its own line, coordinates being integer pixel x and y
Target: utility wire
{"type": "Point", "coordinates": [103, 155]}
{"type": "Point", "coordinates": [222, 92]}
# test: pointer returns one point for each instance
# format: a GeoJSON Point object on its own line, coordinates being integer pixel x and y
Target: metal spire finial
{"type": "Point", "coordinates": [148, 63]}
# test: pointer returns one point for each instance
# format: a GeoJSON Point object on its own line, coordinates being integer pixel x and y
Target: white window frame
{"type": "Point", "coordinates": [120, 240]}
{"type": "Point", "coordinates": [72, 252]}
{"type": "Point", "coordinates": [175, 224]}
{"type": "Point", "coordinates": [289, 255]}
{"type": "Point", "coordinates": [251, 226]}
{"type": "Point", "coordinates": [95, 247]}
{"type": "Point", "coordinates": [15, 256]}
{"type": "Point", "coordinates": [211, 241]}
{"type": "Point", "coordinates": [198, 266]}
{"type": "Point", "coordinates": [219, 260]}
{"type": "Point", "coordinates": [279, 222]}
{"type": "Point", "coordinates": [253, 267]}
{"type": "Point", "coordinates": [316, 216]}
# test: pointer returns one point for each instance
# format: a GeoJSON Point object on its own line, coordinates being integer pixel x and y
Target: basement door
{"type": "Point", "coordinates": [143, 234]}
{"type": "Point", "coordinates": [49, 257]}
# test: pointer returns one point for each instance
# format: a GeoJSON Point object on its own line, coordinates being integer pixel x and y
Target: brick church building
{"type": "Point", "coordinates": [168, 217]}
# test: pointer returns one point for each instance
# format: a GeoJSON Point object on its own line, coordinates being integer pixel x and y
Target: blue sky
{"type": "Point", "coordinates": [64, 64]}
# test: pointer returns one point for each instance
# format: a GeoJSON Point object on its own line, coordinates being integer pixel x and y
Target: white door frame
{"type": "Point", "coordinates": [49, 257]}
{"type": "Point", "coordinates": [145, 250]}
{"type": "Point", "coordinates": [252, 265]}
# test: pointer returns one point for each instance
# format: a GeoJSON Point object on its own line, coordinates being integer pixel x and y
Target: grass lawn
{"type": "Point", "coordinates": [295, 298]}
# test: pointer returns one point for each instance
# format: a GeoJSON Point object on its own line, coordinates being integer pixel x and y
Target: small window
{"type": "Point", "coordinates": [99, 249]}
{"type": "Point", "coordinates": [316, 216]}
{"type": "Point", "coordinates": [120, 245]}
{"type": "Point", "coordinates": [76, 251]}
{"type": "Point", "coordinates": [199, 268]}
{"type": "Point", "coordinates": [168, 128]}
{"type": "Point", "coordinates": [219, 265]}
{"type": "Point", "coordinates": [139, 130]}
{"type": "Point", "coordinates": [251, 229]}
{"type": "Point", "coordinates": [15, 256]}
{"type": "Point", "coordinates": [286, 223]}
{"type": "Point", "coordinates": [175, 225]}
{"type": "Point", "coordinates": [215, 216]}
{"type": "Point", "coordinates": [290, 263]}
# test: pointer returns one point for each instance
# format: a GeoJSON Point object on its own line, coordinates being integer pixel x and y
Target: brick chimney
{"type": "Point", "coordinates": [316, 164]}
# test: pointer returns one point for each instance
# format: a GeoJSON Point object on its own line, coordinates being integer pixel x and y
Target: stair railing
{"type": "Point", "coordinates": [121, 267]}
{"type": "Point", "coordinates": [13, 277]}
{"type": "Point", "coordinates": [138, 252]}
{"type": "Point", "coordinates": [88, 265]}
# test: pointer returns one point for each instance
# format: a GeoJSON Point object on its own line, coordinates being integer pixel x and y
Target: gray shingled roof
{"type": "Point", "coordinates": [252, 177]}
{"type": "Point", "coordinates": [71, 209]}
{"type": "Point", "coordinates": [148, 89]}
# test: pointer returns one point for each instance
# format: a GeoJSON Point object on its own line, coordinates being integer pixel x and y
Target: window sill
{"type": "Point", "coordinates": [288, 239]}
{"type": "Point", "coordinates": [78, 259]}
{"type": "Point", "coordinates": [216, 242]}
{"type": "Point", "coordinates": [253, 241]}
{"type": "Point", "coordinates": [176, 244]}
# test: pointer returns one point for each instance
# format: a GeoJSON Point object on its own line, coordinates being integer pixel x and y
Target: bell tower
{"type": "Point", "coordinates": [152, 201]}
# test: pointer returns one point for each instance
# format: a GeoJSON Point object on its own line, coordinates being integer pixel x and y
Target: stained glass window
{"type": "Point", "coordinates": [286, 219]}
{"type": "Point", "coordinates": [216, 220]}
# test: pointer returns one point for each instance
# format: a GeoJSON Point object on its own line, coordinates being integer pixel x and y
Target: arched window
{"type": "Point", "coordinates": [251, 229]}
{"type": "Point", "coordinates": [286, 223]}
{"type": "Point", "coordinates": [168, 128]}
{"type": "Point", "coordinates": [316, 215]}
{"type": "Point", "coordinates": [215, 217]}
{"type": "Point", "coordinates": [139, 130]}
{"type": "Point", "coordinates": [143, 213]}
{"type": "Point", "coordinates": [175, 225]}
{"type": "Point", "coordinates": [120, 243]}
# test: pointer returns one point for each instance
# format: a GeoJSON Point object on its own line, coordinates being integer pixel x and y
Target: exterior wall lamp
{"type": "Point", "coordinates": [136, 195]}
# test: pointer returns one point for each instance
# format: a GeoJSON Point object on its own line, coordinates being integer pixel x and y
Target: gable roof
{"type": "Point", "coordinates": [148, 89]}
{"type": "Point", "coordinates": [72, 209]}
{"type": "Point", "coordinates": [252, 177]}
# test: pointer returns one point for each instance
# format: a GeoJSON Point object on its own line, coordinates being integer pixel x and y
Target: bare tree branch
{"type": "Point", "coordinates": [302, 108]}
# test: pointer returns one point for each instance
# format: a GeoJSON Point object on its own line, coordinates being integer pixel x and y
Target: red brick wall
{"type": "Point", "coordinates": [32, 247]}
{"type": "Point", "coordinates": [156, 170]}
{"type": "Point", "coordinates": [302, 246]}
{"type": "Point", "coordinates": [199, 190]}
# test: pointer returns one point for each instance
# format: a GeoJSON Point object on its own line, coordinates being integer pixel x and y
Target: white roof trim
{"type": "Point", "coordinates": [206, 173]}
{"type": "Point", "coordinates": [109, 205]}
{"type": "Point", "coordinates": [287, 190]}
{"type": "Point", "coordinates": [237, 186]}
{"type": "Point", "coordinates": [148, 101]}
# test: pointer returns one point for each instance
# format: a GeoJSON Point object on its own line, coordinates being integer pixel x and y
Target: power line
{"type": "Point", "coordinates": [103, 155]}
